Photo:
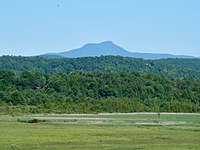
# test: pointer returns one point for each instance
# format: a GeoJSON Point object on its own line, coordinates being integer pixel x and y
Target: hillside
{"type": "Point", "coordinates": [166, 67]}
{"type": "Point", "coordinates": [98, 84]}
{"type": "Point", "coordinates": [84, 92]}
{"type": "Point", "coordinates": [109, 48]}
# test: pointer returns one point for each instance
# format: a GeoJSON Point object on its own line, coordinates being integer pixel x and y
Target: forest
{"type": "Point", "coordinates": [172, 68]}
{"type": "Point", "coordinates": [94, 92]}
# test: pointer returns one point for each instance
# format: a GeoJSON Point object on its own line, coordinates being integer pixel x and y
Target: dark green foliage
{"type": "Point", "coordinates": [89, 92]}
{"type": "Point", "coordinates": [32, 121]}
{"type": "Point", "coordinates": [167, 67]}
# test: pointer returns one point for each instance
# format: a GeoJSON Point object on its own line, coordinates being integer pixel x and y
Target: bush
{"type": "Point", "coordinates": [32, 121]}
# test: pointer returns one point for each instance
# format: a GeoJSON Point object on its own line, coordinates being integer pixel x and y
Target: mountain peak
{"type": "Point", "coordinates": [110, 48]}
{"type": "Point", "coordinates": [96, 49]}
{"type": "Point", "coordinates": [106, 42]}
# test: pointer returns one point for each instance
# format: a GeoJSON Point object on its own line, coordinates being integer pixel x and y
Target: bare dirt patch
{"type": "Point", "coordinates": [160, 123]}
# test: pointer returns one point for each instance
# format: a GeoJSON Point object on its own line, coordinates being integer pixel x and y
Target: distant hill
{"type": "Point", "coordinates": [178, 67]}
{"type": "Point", "coordinates": [109, 48]}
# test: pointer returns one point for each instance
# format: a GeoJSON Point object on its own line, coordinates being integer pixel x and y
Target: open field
{"type": "Point", "coordinates": [139, 131]}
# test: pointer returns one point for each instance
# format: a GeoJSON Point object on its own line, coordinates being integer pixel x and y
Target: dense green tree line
{"type": "Point", "coordinates": [167, 67]}
{"type": "Point", "coordinates": [192, 64]}
{"type": "Point", "coordinates": [90, 92]}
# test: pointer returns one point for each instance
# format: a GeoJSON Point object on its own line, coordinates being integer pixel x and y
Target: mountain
{"type": "Point", "coordinates": [109, 48]}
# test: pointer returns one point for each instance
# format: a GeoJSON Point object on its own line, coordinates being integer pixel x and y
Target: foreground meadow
{"type": "Point", "coordinates": [100, 131]}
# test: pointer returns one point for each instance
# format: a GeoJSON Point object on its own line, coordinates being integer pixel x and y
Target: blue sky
{"type": "Point", "coordinates": [32, 27]}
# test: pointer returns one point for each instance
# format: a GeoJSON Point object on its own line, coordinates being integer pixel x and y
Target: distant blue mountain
{"type": "Point", "coordinates": [109, 48]}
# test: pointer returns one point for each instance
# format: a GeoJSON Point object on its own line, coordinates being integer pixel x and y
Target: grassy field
{"type": "Point", "coordinates": [101, 131]}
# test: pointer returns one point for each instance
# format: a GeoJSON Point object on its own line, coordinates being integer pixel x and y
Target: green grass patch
{"type": "Point", "coordinates": [104, 131]}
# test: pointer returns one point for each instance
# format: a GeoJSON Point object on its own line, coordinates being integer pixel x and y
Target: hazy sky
{"type": "Point", "coordinates": [32, 27]}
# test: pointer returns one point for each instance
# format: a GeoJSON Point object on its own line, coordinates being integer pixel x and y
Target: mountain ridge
{"type": "Point", "coordinates": [109, 48]}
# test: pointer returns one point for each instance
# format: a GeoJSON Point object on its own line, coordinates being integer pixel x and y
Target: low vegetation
{"type": "Point", "coordinates": [101, 131]}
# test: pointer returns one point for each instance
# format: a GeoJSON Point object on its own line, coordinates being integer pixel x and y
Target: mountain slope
{"type": "Point", "coordinates": [109, 48]}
